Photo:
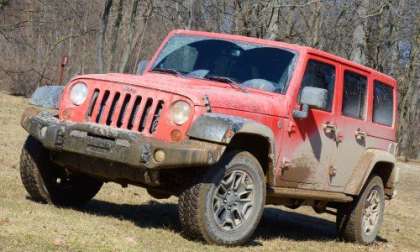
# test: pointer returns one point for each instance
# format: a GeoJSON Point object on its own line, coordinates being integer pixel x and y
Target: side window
{"type": "Point", "coordinates": [354, 95]}
{"type": "Point", "coordinates": [320, 75]}
{"type": "Point", "coordinates": [383, 104]}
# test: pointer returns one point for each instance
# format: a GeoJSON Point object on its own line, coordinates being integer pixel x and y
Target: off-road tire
{"type": "Point", "coordinates": [350, 216]}
{"type": "Point", "coordinates": [40, 178]}
{"type": "Point", "coordinates": [196, 202]}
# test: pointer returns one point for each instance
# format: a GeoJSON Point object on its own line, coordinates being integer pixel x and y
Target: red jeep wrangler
{"type": "Point", "coordinates": [227, 124]}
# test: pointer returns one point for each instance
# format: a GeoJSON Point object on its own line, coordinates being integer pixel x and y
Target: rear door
{"type": "Point", "coordinates": [352, 124]}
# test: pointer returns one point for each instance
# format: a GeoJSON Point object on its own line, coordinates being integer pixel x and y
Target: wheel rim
{"type": "Point", "coordinates": [372, 211]}
{"type": "Point", "coordinates": [233, 200]}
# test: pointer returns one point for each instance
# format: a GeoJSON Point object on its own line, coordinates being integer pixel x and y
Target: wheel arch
{"type": "Point", "coordinates": [238, 132]}
{"type": "Point", "coordinates": [376, 162]}
{"type": "Point", "coordinates": [248, 142]}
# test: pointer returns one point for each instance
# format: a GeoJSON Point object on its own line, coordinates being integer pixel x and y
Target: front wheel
{"type": "Point", "coordinates": [226, 205]}
{"type": "Point", "coordinates": [49, 183]}
{"type": "Point", "coordinates": [361, 220]}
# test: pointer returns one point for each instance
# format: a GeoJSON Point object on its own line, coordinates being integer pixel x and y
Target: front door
{"type": "Point", "coordinates": [310, 144]}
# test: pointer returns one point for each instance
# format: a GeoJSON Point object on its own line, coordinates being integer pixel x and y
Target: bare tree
{"type": "Point", "coordinates": [115, 34]}
{"type": "Point", "coordinates": [100, 46]}
{"type": "Point", "coordinates": [107, 35]}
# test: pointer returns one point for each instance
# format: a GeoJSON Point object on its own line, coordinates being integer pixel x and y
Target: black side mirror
{"type": "Point", "coordinates": [142, 66]}
{"type": "Point", "coordinates": [311, 97]}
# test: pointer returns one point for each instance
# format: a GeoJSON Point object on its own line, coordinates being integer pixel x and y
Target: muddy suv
{"type": "Point", "coordinates": [228, 124]}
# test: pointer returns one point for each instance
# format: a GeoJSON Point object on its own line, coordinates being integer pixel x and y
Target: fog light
{"type": "Point", "coordinates": [159, 156]}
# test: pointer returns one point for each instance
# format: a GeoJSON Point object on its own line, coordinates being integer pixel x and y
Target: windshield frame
{"type": "Point", "coordinates": [292, 66]}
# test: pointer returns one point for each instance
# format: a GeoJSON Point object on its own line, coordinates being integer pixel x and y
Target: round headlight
{"type": "Point", "coordinates": [78, 93]}
{"type": "Point", "coordinates": [180, 112]}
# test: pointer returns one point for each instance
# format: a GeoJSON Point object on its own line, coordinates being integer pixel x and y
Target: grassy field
{"type": "Point", "coordinates": [129, 220]}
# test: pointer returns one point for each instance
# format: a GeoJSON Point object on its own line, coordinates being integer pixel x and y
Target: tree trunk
{"type": "Point", "coordinates": [100, 43]}
{"type": "Point", "coordinates": [273, 23]}
{"type": "Point", "coordinates": [131, 35]}
{"type": "Point", "coordinates": [359, 40]}
{"type": "Point", "coordinates": [115, 34]}
{"type": "Point", "coordinates": [191, 16]}
{"type": "Point", "coordinates": [408, 106]}
{"type": "Point", "coordinates": [316, 22]}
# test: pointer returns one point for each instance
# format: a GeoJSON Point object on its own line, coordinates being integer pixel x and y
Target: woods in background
{"type": "Point", "coordinates": [101, 36]}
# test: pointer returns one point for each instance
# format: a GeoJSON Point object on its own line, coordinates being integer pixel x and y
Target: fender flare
{"type": "Point", "coordinates": [222, 128]}
{"type": "Point", "coordinates": [47, 96]}
{"type": "Point", "coordinates": [364, 168]}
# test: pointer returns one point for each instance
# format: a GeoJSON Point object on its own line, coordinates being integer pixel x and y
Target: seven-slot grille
{"type": "Point", "coordinates": [123, 110]}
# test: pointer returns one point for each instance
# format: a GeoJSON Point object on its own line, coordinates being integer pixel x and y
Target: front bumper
{"type": "Point", "coordinates": [116, 145]}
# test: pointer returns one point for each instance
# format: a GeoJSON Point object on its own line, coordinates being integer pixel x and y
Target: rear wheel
{"type": "Point", "coordinates": [226, 205]}
{"type": "Point", "coordinates": [361, 220]}
{"type": "Point", "coordinates": [49, 183]}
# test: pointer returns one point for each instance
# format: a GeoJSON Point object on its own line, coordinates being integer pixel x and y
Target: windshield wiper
{"type": "Point", "coordinates": [225, 79]}
{"type": "Point", "coordinates": [168, 71]}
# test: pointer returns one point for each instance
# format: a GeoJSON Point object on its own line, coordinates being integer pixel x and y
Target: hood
{"type": "Point", "coordinates": [220, 95]}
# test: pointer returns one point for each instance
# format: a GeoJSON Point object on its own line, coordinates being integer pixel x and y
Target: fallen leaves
{"type": "Point", "coordinates": [59, 242]}
{"type": "Point", "coordinates": [4, 221]}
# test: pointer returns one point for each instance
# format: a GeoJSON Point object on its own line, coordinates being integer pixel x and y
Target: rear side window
{"type": "Point", "coordinates": [383, 104]}
{"type": "Point", "coordinates": [320, 75]}
{"type": "Point", "coordinates": [354, 95]}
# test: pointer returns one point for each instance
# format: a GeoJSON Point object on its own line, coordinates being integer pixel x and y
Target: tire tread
{"type": "Point", "coordinates": [35, 166]}
{"type": "Point", "coordinates": [348, 216]}
{"type": "Point", "coordinates": [31, 157]}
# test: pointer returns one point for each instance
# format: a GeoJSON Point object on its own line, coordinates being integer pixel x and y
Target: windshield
{"type": "Point", "coordinates": [248, 65]}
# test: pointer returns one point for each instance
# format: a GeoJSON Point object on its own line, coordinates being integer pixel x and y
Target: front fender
{"type": "Point", "coordinates": [47, 97]}
{"type": "Point", "coordinates": [221, 128]}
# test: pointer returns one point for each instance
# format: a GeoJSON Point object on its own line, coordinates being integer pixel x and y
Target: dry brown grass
{"type": "Point", "coordinates": [129, 220]}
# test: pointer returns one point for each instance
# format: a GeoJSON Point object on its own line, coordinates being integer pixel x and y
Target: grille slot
{"type": "Point", "coordinates": [93, 102]}
{"type": "Point", "coordinates": [102, 106]}
{"type": "Point", "coordinates": [123, 110]}
{"type": "Point", "coordinates": [146, 111]}
{"type": "Point", "coordinates": [112, 109]}
{"type": "Point", "coordinates": [139, 113]}
{"type": "Point", "coordinates": [156, 116]}
{"type": "Point", "coordinates": [133, 113]}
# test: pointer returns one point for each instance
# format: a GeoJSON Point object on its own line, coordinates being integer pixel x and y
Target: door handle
{"type": "Point", "coordinates": [329, 127]}
{"type": "Point", "coordinates": [360, 134]}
